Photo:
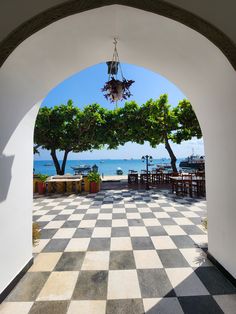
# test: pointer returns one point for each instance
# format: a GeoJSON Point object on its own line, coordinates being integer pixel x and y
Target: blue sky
{"type": "Point", "coordinates": [85, 88]}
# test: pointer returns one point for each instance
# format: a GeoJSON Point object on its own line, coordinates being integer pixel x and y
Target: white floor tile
{"type": "Point", "coordinates": [123, 284]}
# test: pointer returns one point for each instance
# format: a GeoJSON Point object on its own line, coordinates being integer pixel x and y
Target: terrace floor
{"type": "Point", "coordinates": [127, 251]}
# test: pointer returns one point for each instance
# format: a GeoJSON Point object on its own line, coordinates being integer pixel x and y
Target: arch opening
{"type": "Point", "coordinates": [184, 56]}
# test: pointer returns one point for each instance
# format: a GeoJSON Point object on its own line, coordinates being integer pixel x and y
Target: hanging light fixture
{"type": "Point", "coordinates": [115, 89]}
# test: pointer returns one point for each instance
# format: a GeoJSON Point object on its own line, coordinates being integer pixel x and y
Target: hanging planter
{"type": "Point", "coordinates": [112, 67]}
{"type": "Point", "coordinates": [116, 89]}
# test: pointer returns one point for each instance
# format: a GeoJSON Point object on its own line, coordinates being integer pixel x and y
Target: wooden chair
{"type": "Point", "coordinates": [133, 178]}
{"type": "Point", "coordinates": [199, 186]}
{"type": "Point", "coordinates": [144, 176]}
{"type": "Point", "coordinates": [157, 177]}
{"type": "Point", "coordinates": [186, 188]}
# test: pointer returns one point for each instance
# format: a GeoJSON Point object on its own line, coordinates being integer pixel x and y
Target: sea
{"type": "Point", "coordinates": [105, 166]}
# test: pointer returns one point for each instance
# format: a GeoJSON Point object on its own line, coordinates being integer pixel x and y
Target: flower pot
{"type": "Point", "coordinates": [116, 91]}
{"type": "Point", "coordinates": [41, 187]}
{"type": "Point", "coordinates": [94, 187]}
{"type": "Point", "coordinates": [112, 67]}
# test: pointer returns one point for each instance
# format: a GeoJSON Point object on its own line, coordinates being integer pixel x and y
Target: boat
{"type": "Point", "coordinates": [119, 171]}
{"type": "Point", "coordinates": [81, 169]}
{"type": "Point", "coordinates": [164, 166]}
{"type": "Point", "coordinates": [193, 162]}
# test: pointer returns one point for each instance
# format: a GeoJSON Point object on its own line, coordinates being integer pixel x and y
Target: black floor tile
{"type": "Point", "coordinates": [99, 244]}
{"type": "Point", "coordinates": [91, 285]}
{"type": "Point", "coordinates": [175, 215]}
{"type": "Point", "coordinates": [135, 222]}
{"type": "Point", "coordinates": [50, 307]}
{"type": "Point", "coordinates": [103, 223]}
{"type": "Point", "coordinates": [167, 221]}
{"type": "Point", "coordinates": [120, 232]}
{"type": "Point", "coordinates": [56, 245]}
{"type": "Point", "coordinates": [156, 231]}
{"type": "Point", "coordinates": [183, 241]}
{"type": "Point", "coordinates": [199, 305]}
{"type": "Point", "coordinates": [131, 210]}
{"type": "Point", "coordinates": [61, 217]}
{"type": "Point", "coordinates": [196, 220]}
{"type": "Point", "coordinates": [157, 210]}
{"type": "Point", "coordinates": [80, 211]}
{"type": "Point", "coordinates": [147, 215]}
{"type": "Point", "coordinates": [71, 224]}
{"type": "Point", "coordinates": [70, 261]}
{"type": "Point", "coordinates": [106, 210]}
{"type": "Point", "coordinates": [191, 229]}
{"type": "Point", "coordinates": [142, 243]}
{"type": "Point", "coordinates": [29, 287]}
{"type": "Point", "coordinates": [118, 205]}
{"type": "Point", "coordinates": [215, 281]}
{"type": "Point", "coordinates": [83, 233]}
{"type": "Point", "coordinates": [172, 258]}
{"type": "Point", "coordinates": [128, 306]}
{"type": "Point", "coordinates": [119, 216]}
{"type": "Point", "coordinates": [154, 283]}
{"type": "Point", "coordinates": [90, 216]}
{"type": "Point", "coordinates": [122, 260]}
{"type": "Point", "coordinates": [47, 233]}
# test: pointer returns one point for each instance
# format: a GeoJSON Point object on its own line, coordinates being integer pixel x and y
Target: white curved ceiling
{"type": "Point", "coordinates": [219, 13]}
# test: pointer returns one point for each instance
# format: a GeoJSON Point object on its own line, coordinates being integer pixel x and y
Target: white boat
{"type": "Point", "coordinates": [194, 162]}
{"type": "Point", "coordinates": [81, 169]}
{"type": "Point", "coordinates": [119, 171]}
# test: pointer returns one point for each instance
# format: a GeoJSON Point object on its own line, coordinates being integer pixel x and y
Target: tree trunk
{"type": "Point", "coordinates": [171, 154]}
{"type": "Point", "coordinates": [63, 166]}
{"type": "Point", "coordinates": [56, 162]}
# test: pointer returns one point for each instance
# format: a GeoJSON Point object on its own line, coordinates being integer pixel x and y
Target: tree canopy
{"type": "Point", "coordinates": [68, 128]}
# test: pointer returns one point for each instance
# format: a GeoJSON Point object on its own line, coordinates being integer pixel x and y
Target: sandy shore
{"type": "Point", "coordinates": [115, 178]}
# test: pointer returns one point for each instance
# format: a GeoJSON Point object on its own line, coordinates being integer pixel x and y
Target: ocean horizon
{"type": "Point", "coordinates": [105, 166]}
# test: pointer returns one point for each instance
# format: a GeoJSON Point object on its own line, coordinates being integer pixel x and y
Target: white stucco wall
{"type": "Point", "coordinates": [182, 55]}
{"type": "Point", "coordinates": [15, 193]}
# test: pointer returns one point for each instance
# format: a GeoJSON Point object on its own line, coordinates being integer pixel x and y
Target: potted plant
{"type": "Point", "coordinates": [94, 179]}
{"type": "Point", "coordinates": [41, 183]}
{"type": "Point", "coordinates": [117, 90]}
{"type": "Point", "coordinates": [35, 233]}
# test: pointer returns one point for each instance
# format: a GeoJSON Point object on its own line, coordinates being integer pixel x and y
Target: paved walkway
{"type": "Point", "coordinates": [121, 252]}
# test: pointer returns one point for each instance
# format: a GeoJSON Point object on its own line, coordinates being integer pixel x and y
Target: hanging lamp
{"type": "Point", "coordinates": [116, 89]}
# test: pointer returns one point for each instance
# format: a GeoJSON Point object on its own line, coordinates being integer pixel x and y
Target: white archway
{"type": "Point", "coordinates": [67, 46]}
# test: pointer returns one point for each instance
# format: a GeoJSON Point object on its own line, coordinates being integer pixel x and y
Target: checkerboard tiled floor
{"type": "Point", "coordinates": [121, 252]}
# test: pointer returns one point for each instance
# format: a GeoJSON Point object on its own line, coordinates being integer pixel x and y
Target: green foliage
{"type": "Point", "coordinates": [205, 223]}
{"type": "Point", "coordinates": [159, 120]}
{"type": "Point", "coordinates": [35, 233]}
{"type": "Point", "coordinates": [42, 177]}
{"type": "Point", "coordinates": [94, 177]}
{"type": "Point", "coordinates": [188, 125]}
{"type": "Point", "coordinates": [57, 127]}
{"type": "Point", "coordinates": [68, 128]}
